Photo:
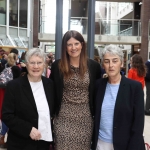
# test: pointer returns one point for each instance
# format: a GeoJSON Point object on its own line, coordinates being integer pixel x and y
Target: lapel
{"type": "Point", "coordinates": [120, 96]}
{"type": "Point", "coordinates": [28, 91]}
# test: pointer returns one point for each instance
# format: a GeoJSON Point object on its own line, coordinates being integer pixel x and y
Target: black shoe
{"type": "Point", "coordinates": [147, 112]}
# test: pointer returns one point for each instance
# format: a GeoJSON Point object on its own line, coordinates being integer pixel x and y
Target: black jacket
{"type": "Point", "coordinates": [147, 78]}
{"type": "Point", "coordinates": [128, 121]}
{"type": "Point", "coordinates": [19, 111]}
{"type": "Point", "coordinates": [56, 76]}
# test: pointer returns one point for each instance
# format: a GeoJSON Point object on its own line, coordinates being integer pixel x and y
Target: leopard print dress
{"type": "Point", "coordinates": [74, 125]}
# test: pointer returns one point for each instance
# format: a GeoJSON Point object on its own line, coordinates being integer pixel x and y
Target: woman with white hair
{"type": "Point", "coordinates": [28, 106]}
{"type": "Point", "coordinates": [119, 107]}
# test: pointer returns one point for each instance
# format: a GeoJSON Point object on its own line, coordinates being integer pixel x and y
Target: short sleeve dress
{"type": "Point", "coordinates": [74, 124]}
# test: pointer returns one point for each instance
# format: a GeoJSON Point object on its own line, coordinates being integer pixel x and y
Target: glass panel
{"type": "Point", "coordinates": [25, 41]}
{"type": "Point", "coordinates": [48, 16]}
{"type": "Point", "coordinates": [23, 32]}
{"type": "Point", "coordinates": [13, 13]}
{"type": "Point", "coordinates": [5, 40]}
{"type": "Point", "coordinates": [79, 25]}
{"type": "Point", "coordinates": [13, 31]}
{"type": "Point", "coordinates": [3, 12]}
{"type": "Point", "coordinates": [3, 30]}
{"type": "Point", "coordinates": [16, 41]}
{"type": "Point", "coordinates": [23, 14]}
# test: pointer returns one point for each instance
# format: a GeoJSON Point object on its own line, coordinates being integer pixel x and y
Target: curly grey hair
{"type": "Point", "coordinates": [114, 50]}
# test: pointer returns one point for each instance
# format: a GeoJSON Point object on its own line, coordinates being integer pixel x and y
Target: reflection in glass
{"type": "Point", "coordinates": [23, 14]}
{"type": "Point", "coordinates": [16, 41]}
{"type": "Point", "coordinates": [3, 12]}
{"type": "Point", "coordinates": [13, 13]}
{"type": "Point", "coordinates": [5, 40]}
{"type": "Point", "coordinates": [25, 41]}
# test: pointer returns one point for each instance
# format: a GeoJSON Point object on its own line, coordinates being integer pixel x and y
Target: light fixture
{"type": "Point", "coordinates": [140, 3]}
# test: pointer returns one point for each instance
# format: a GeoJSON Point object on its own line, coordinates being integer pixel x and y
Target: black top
{"type": "Point", "coordinates": [147, 78]}
{"type": "Point", "coordinates": [56, 76]}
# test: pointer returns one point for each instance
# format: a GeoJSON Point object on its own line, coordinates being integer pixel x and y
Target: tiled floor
{"type": "Point", "coordinates": [146, 130]}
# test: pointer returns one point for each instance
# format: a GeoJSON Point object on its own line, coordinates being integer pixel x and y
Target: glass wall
{"type": "Point", "coordinates": [13, 13]}
{"type": "Point", "coordinates": [23, 14]}
{"type": "Point", "coordinates": [3, 12]}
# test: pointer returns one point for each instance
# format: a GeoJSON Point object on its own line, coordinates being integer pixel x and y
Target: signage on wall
{"type": "Point", "coordinates": [49, 48]}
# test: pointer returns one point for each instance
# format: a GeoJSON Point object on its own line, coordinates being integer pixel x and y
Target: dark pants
{"type": "Point", "coordinates": [43, 145]}
{"type": "Point", "coordinates": [147, 105]}
{"type": "Point", "coordinates": [34, 145]}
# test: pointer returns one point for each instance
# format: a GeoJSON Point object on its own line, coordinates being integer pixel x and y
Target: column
{"type": "Point", "coordinates": [91, 28]}
{"type": "Point", "coordinates": [36, 23]}
{"type": "Point", "coordinates": [58, 35]}
{"type": "Point", "coordinates": [145, 16]}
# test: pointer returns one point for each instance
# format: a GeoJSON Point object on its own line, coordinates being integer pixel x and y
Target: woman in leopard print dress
{"type": "Point", "coordinates": [74, 77]}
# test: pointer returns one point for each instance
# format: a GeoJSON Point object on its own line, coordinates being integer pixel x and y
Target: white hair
{"type": "Point", "coordinates": [114, 50]}
{"type": "Point", "coordinates": [35, 52]}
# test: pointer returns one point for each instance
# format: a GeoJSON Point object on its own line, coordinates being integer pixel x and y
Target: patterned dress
{"type": "Point", "coordinates": [74, 125]}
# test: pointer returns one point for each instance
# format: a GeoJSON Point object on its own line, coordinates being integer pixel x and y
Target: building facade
{"type": "Point", "coordinates": [16, 25]}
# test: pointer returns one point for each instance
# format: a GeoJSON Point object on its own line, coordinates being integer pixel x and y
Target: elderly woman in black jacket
{"type": "Point", "coordinates": [28, 107]}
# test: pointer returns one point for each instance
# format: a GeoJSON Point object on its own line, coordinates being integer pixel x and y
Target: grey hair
{"type": "Point", "coordinates": [35, 52]}
{"type": "Point", "coordinates": [114, 50]}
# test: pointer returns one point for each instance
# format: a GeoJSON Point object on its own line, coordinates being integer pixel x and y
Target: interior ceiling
{"type": "Point", "coordinates": [79, 7]}
{"type": "Point", "coordinates": [128, 16]}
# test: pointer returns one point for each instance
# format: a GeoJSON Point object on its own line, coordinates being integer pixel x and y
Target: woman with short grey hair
{"type": "Point", "coordinates": [35, 52]}
{"type": "Point", "coordinates": [114, 50]}
{"type": "Point", "coordinates": [28, 106]}
{"type": "Point", "coordinates": [119, 107]}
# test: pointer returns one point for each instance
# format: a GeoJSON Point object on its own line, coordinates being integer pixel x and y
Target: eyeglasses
{"type": "Point", "coordinates": [35, 63]}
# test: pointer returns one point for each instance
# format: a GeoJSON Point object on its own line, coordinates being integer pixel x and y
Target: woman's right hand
{"type": "Point", "coordinates": [35, 134]}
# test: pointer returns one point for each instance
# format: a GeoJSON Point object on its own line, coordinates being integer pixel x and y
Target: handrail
{"type": "Point", "coordinates": [106, 19]}
{"type": "Point", "coordinates": [120, 27]}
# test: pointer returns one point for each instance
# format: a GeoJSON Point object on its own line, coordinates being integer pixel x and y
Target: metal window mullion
{"type": "Point", "coordinates": [18, 16]}
{"type": "Point", "coordinates": [7, 17]}
{"type": "Point", "coordinates": [28, 17]}
{"type": "Point", "coordinates": [7, 23]}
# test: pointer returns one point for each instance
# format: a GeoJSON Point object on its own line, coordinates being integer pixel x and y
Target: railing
{"type": "Point", "coordinates": [120, 27]}
{"type": "Point", "coordinates": [117, 27]}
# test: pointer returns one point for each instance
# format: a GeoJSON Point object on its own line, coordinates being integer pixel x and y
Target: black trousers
{"type": "Point", "coordinates": [34, 145]}
{"type": "Point", "coordinates": [43, 145]}
{"type": "Point", "coordinates": [147, 105]}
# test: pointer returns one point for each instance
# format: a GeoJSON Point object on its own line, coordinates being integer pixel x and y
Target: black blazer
{"type": "Point", "coordinates": [128, 122]}
{"type": "Point", "coordinates": [94, 73]}
{"type": "Point", "coordinates": [19, 111]}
